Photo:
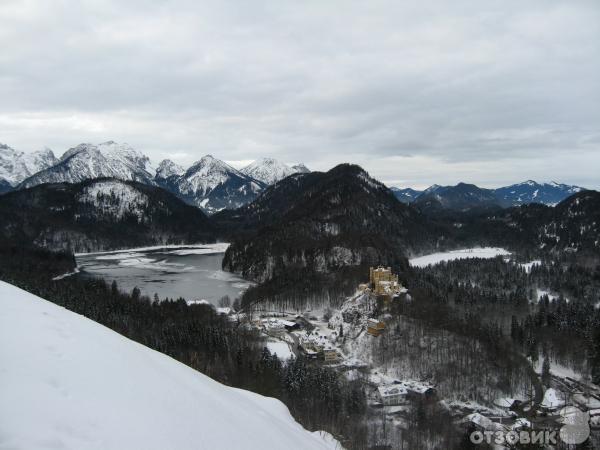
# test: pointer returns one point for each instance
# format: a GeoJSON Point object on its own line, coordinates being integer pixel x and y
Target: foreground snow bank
{"type": "Point", "coordinates": [67, 382]}
{"type": "Point", "coordinates": [436, 258]}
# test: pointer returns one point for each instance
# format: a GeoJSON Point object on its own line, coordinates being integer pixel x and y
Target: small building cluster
{"type": "Point", "coordinates": [399, 393]}
{"type": "Point", "coordinates": [315, 345]}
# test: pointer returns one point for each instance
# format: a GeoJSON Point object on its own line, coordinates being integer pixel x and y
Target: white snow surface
{"type": "Point", "coordinates": [268, 170]}
{"type": "Point", "coordinates": [115, 198]}
{"type": "Point", "coordinates": [436, 258]}
{"type": "Point", "coordinates": [15, 165]}
{"type": "Point", "coordinates": [168, 168]}
{"type": "Point", "coordinates": [69, 383]}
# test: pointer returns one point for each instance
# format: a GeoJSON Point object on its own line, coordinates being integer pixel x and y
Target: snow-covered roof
{"type": "Point", "coordinates": [392, 390]}
{"type": "Point", "coordinates": [552, 399]}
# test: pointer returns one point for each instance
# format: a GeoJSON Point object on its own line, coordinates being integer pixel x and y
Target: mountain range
{"type": "Point", "coordinates": [464, 197]}
{"type": "Point", "coordinates": [213, 185]}
{"type": "Point", "coordinates": [210, 184]}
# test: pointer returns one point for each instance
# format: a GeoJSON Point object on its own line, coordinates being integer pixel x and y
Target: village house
{"type": "Point", "coordinates": [392, 395]}
{"type": "Point", "coordinates": [375, 327]}
{"type": "Point", "coordinates": [330, 354]}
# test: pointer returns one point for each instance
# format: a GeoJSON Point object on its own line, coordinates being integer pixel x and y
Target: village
{"type": "Point", "coordinates": [342, 339]}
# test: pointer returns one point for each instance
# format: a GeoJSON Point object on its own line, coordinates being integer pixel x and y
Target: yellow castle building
{"type": "Point", "coordinates": [384, 282]}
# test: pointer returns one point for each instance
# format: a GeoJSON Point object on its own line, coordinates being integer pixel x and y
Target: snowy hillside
{"type": "Point", "coordinates": [88, 161]}
{"type": "Point", "coordinates": [69, 383]}
{"type": "Point", "coordinates": [269, 170]}
{"type": "Point", "coordinates": [15, 166]}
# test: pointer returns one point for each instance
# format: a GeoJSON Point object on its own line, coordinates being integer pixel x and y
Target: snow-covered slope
{"type": "Point", "coordinates": [268, 170]}
{"type": "Point", "coordinates": [69, 383]}
{"type": "Point", "coordinates": [15, 166]}
{"type": "Point", "coordinates": [88, 161]}
{"type": "Point", "coordinates": [532, 192]}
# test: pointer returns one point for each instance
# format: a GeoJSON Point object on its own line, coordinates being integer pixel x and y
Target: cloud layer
{"type": "Point", "coordinates": [416, 92]}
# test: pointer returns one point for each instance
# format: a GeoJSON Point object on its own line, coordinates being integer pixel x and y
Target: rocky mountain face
{"type": "Point", "coordinates": [88, 161]}
{"type": "Point", "coordinates": [322, 221]}
{"type": "Point", "coordinates": [210, 184]}
{"type": "Point", "coordinates": [15, 166]}
{"type": "Point", "coordinates": [100, 214]}
{"type": "Point", "coordinates": [532, 192]}
{"type": "Point", "coordinates": [213, 185]}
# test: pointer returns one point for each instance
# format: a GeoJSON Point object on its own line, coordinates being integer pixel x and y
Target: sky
{"type": "Point", "coordinates": [416, 92]}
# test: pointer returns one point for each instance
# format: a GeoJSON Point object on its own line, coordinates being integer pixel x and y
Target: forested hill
{"type": "Point", "coordinates": [100, 214]}
{"type": "Point", "coordinates": [323, 221]}
{"type": "Point", "coordinates": [573, 226]}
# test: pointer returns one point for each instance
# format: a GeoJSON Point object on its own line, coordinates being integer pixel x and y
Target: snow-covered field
{"type": "Point", "coordinates": [281, 348]}
{"type": "Point", "coordinates": [435, 258]}
{"type": "Point", "coordinates": [67, 382]}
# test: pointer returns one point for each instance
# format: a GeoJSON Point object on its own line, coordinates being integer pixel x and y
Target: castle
{"type": "Point", "coordinates": [382, 282]}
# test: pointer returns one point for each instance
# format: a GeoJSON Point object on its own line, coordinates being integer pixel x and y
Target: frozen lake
{"type": "Point", "coordinates": [479, 252]}
{"type": "Point", "coordinates": [192, 272]}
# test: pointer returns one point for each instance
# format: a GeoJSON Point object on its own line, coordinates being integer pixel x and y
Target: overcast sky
{"type": "Point", "coordinates": [417, 92]}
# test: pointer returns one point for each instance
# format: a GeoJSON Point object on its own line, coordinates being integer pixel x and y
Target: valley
{"type": "Point", "coordinates": [382, 323]}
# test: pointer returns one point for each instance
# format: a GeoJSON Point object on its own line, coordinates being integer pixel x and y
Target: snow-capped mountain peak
{"type": "Point", "coordinates": [168, 168]}
{"type": "Point", "coordinates": [268, 170]}
{"type": "Point", "coordinates": [15, 166]}
{"type": "Point", "coordinates": [88, 161]}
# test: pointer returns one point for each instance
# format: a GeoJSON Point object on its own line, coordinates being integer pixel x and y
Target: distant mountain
{"type": "Point", "coordinates": [322, 222]}
{"type": "Point", "coordinates": [300, 168]}
{"type": "Point", "coordinates": [406, 195]}
{"type": "Point", "coordinates": [270, 171]}
{"type": "Point", "coordinates": [101, 214]}
{"type": "Point", "coordinates": [88, 161]}
{"type": "Point", "coordinates": [15, 166]}
{"type": "Point", "coordinates": [213, 185]}
{"type": "Point", "coordinates": [462, 197]}
{"type": "Point", "coordinates": [532, 192]}
{"type": "Point", "coordinates": [167, 169]}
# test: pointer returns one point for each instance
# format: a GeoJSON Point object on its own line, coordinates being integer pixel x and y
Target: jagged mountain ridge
{"type": "Point", "coordinates": [16, 166]}
{"type": "Point", "coordinates": [100, 214]}
{"type": "Point", "coordinates": [322, 221]}
{"type": "Point", "coordinates": [209, 183]}
{"type": "Point", "coordinates": [270, 170]}
{"type": "Point", "coordinates": [89, 161]}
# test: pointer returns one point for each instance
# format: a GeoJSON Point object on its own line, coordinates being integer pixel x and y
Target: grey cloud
{"type": "Point", "coordinates": [465, 88]}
